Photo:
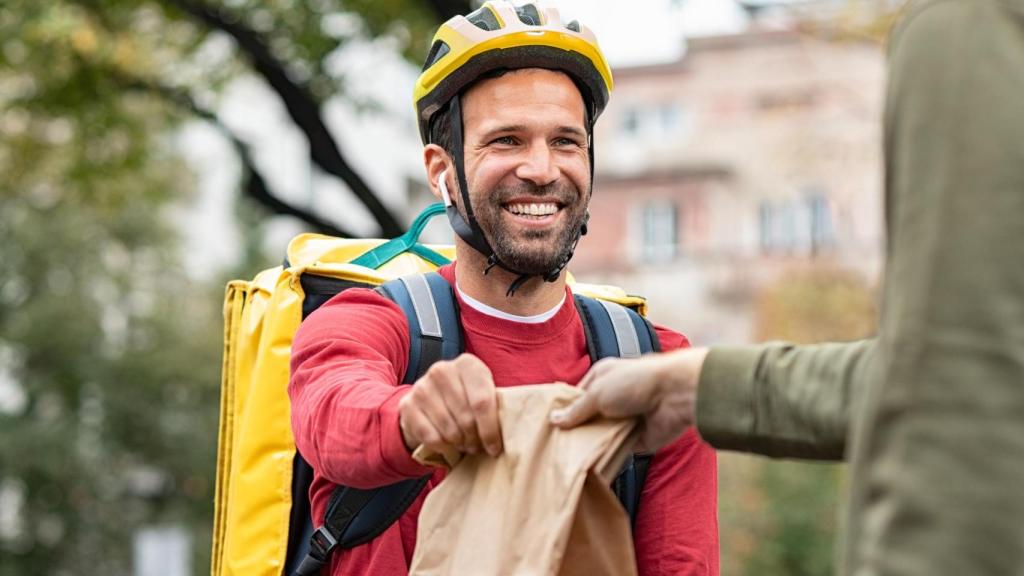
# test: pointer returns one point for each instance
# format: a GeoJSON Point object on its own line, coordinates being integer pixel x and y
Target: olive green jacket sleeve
{"type": "Point", "coordinates": [781, 400]}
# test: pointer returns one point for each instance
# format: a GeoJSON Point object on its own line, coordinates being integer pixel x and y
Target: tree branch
{"type": "Point", "coordinates": [254, 184]}
{"type": "Point", "coordinates": [301, 105]}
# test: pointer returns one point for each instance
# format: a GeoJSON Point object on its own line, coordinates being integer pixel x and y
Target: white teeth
{"type": "Point", "coordinates": [533, 209]}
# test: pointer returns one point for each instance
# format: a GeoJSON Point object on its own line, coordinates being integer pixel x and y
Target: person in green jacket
{"type": "Point", "coordinates": [930, 413]}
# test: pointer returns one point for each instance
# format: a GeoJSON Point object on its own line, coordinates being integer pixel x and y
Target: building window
{"type": "Point", "coordinates": [658, 231]}
{"type": "Point", "coordinates": [668, 118]}
{"type": "Point", "coordinates": [822, 233]}
{"type": "Point", "coordinates": [660, 122]}
{"type": "Point", "coordinates": [786, 227]}
{"type": "Point", "coordinates": [778, 226]}
{"type": "Point", "coordinates": [631, 121]}
{"type": "Point", "coordinates": [765, 219]}
{"type": "Point", "coordinates": [796, 227]}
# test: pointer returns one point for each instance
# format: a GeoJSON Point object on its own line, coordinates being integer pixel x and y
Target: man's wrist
{"type": "Point", "coordinates": [679, 372]}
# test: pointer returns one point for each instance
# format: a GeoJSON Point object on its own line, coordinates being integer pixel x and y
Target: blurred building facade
{"type": "Point", "coordinates": [753, 155]}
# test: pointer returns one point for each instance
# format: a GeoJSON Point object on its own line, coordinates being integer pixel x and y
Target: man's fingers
{"type": "Point", "coordinates": [435, 410]}
{"type": "Point", "coordinates": [418, 430]}
{"type": "Point", "coordinates": [457, 404]}
{"type": "Point", "coordinates": [446, 428]}
{"type": "Point", "coordinates": [488, 427]}
{"type": "Point", "coordinates": [482, 399]}
{"type": "Point", "coordinates": [581, 410]}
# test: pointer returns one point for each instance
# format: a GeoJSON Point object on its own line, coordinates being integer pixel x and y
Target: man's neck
{"type": "Point", "coordinates": [534, 297]}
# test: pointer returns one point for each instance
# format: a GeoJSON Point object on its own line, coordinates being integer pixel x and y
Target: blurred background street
{"type": "Point", "coordinates": [150, 150]}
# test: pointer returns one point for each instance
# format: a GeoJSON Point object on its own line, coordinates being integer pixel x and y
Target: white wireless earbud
{"type": "Point", "coordinates": [443, 185]}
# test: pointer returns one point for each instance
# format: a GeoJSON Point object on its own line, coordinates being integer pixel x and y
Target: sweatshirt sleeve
{"type": "Point", "coordinates": [347, 362]}
{"type": "Point", "coordinates": [677, 521]}
{"type": "Point", "coordinates": [781, 400]}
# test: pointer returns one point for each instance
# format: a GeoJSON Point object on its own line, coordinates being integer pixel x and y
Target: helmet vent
{"type": "Point", "coordinates": [437, 51]}
{"type": "Point", "coordinates": [484, 19]}
{"type": "Point", "coordinates": [528, 15]}
{"type": "Point", "coordinates": [574, 26]}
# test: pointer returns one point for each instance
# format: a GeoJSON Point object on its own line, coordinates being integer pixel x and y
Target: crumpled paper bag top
{"type": "Point", "coordinates": [543, 507]}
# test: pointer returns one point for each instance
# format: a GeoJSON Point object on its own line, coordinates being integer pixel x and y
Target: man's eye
{"type": "Point", "coordinates": [567, 142]}
{"type": "Point", "coordinates": [504, 141]}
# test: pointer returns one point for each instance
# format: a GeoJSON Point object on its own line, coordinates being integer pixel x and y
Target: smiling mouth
{"type": "Point", "coordinates": [534, 210]}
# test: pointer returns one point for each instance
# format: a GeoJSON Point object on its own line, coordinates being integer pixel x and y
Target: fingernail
{"type": "Point", "coordinates": [557, 416]}
{"type": "Point", "coordinates": [492, 449]}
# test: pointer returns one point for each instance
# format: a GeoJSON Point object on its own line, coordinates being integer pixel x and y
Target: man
{"type": "Point", "coordinates": [931, 414]}
{"type": "Point", "coordinates": [506, 105]}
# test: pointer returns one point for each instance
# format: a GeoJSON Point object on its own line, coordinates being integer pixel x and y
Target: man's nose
{"type": "Point", "coordinates": [538, 166]}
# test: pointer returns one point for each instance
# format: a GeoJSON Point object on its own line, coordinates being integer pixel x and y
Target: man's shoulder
{"type": "Point", "coordinates": [357, 323]}
{"type": "Point", "coordinates": [354, 310]}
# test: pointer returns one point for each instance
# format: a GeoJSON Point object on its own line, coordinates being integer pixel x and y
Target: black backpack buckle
{"type": "Point", "coordinates": [322, 543]}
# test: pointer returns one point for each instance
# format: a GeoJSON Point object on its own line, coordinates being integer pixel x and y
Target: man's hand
{"type": "Point", "coordinates": [453, 404]}
{"type": "Point", "coordinates": [659, 388]}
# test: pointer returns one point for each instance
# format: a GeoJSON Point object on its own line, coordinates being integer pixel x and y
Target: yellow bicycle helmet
{"type": "Point", "coordinates": [502, 35]}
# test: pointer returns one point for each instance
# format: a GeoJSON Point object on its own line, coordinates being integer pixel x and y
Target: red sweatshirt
{"type": "Point", "coordinates": [348, 359]}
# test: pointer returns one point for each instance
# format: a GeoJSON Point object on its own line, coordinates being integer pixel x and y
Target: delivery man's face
{"type": "Point", "coordinates": [527, 165]}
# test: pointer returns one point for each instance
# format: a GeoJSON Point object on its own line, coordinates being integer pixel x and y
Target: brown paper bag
{"type": "Point", "coordinates": [542, 508]}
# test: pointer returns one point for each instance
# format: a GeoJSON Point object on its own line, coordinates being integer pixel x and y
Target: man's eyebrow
{"type": "Point", "coordinates": [571, 130]}
{"type": "Point", "coordinates": [506, 128]}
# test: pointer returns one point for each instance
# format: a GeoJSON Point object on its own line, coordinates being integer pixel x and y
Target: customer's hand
{"type": "Point", "coordinates": [453, 404]}
{"type": "Point", "coordinates": [661, 389]}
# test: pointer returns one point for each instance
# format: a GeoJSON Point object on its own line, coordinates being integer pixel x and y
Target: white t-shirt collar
{"type": "Point", "coordinates": [495, 313]}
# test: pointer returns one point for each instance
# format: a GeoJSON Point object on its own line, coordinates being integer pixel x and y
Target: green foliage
{"type": "Point", "coordinates": [109, 353]}
{"type": "Point", "coordinates": [816, 305]}
{"type": "Point", "coordinates": [113, 351]}
{"type": "Point", "coordinates": [797, 526]}
{"type": "Point", "coordinates": [118, 365]}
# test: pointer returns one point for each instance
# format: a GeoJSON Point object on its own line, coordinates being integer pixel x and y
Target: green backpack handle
{"type": "Point", "coordinates": [408, 242]}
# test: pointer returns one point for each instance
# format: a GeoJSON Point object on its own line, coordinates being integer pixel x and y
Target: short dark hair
{"type": "Point", "coordinates": [440, 132]}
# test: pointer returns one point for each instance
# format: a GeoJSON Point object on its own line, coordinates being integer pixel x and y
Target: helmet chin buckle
{"type": "Point", "coordinates": [442, 184]}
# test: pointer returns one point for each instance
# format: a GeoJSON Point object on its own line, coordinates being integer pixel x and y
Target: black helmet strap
{"type": "Point", "coordinates": [469, 231]}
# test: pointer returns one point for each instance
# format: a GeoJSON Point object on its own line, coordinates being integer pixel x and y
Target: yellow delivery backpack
{"type": "Point", "coordinates": [262, 522]}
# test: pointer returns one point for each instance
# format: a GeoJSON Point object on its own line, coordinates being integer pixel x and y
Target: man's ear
{"type": "Point", "coordinates": [437, 162]}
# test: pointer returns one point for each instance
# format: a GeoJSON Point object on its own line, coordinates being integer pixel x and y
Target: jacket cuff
{"type": "Point", "coordinates": [726, 396]}
{"type": "Point", "coordinates": [393, 451]}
